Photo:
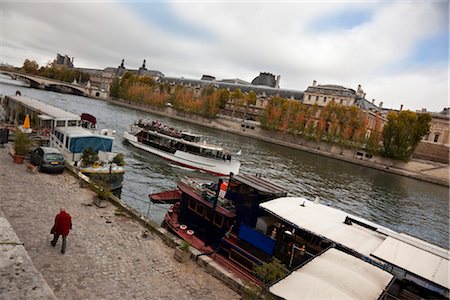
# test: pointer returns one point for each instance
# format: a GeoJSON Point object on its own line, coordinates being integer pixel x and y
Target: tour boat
{"type": "Point", "coordinates": [181, 147]}
{"type": "Point", "coordinates": [245, 221]}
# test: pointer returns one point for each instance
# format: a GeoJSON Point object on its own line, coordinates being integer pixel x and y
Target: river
{"type": "Point", "coordinates": [403, 204]}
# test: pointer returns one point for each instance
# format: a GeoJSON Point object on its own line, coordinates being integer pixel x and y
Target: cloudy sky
{"type": "Point", "coordinates": [397, 50]}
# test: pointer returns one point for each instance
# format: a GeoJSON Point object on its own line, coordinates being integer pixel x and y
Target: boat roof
{"type": "Point", "coordinates": [202, 144]}
{"type": "Point", "coordinates": [76, 131]}
{"type": "Point", "coordinates": [416, 256]}
{"type": "Point", "coordinates": [45, 109]}
{"type": "Point", "coordinates": [261, 184]}
{"type": "Point", "coordinates": [333, 275]}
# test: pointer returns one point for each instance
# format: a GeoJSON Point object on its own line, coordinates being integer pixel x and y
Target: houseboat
{"type": "Point", "coordinates": [244, 221]}
{"type": "Point", "coordinates": [71, 134]}
{"type": "Point", "coordinates": [182, 148]}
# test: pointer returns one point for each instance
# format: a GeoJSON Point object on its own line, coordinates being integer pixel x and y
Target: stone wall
{"type": "Point", "coordinates": [433, 152]}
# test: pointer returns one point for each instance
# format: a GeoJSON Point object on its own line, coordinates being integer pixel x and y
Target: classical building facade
{"type": "Point", "coordinates": [436, 144]}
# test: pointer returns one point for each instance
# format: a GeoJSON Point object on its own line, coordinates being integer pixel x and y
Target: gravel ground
{"type": "Point", "coordinates": [107, 256]}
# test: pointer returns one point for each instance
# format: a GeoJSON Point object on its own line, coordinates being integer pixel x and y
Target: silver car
{"type": "Point", "coordinates": [48, 159]}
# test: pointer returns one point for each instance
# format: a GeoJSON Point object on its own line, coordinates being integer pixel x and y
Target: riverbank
{"type": "Point", "coordinates": [429, 171]}
{"type": "Point", "coordinates": [109, 254]}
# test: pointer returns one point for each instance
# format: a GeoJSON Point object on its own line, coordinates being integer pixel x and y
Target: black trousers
{"type": "Point", "coordinates": [55, 240]}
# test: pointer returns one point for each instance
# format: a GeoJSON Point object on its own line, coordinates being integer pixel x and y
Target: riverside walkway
{"type": "Point", "coordinates": [107, 255]}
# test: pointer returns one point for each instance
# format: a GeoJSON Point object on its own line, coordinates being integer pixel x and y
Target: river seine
{"type": "Point", "coordinates": [403, 204]}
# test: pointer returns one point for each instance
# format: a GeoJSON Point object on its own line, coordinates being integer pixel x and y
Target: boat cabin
{"type": "Point", "coordinates": [214, 210]}
{"type": "Point", "coordinates": [307, 231]}
{"type": "Point", "coordinates": [72, 141]}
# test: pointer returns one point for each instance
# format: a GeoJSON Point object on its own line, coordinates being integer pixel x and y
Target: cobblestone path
{"type": "Point", "coordinates": [107, 256]}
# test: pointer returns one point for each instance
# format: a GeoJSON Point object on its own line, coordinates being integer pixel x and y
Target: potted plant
{"type": "Point", "coordinates": [22, 146]}
{"type": "Point", "coordinates": [182, 253]}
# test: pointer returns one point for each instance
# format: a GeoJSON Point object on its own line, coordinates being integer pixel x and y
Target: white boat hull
{"type": "Point", "coordinates": [197, 162]}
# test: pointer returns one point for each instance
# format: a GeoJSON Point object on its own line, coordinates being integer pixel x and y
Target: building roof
{"type": "Point", "coordinates": [333, 275]}
{"type": "Point", "coordinates": [364, 104]}
{"type": "Point", "coordinates": [44, 108]}
{"type": "Point", "coordinates": [332, 90]}
{"type": "Point", "coordinates": [266, 79]}
{"type": "Point", "coordinates": [245, 88]}
{"type": "Point", "coordinates": [372, 240]}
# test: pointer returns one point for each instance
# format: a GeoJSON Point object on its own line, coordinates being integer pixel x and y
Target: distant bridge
{"type": "Point", "coordinates": [47, 84]}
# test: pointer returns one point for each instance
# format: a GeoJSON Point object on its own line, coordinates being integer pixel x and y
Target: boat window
{"type": "Point", "coordinates": [60, 123]}
{"type": "Point", "coordinates": [241, 260]}
{"type": "Point", "coordinates": [208, 214]}
{"type": "Point", "coordinates": [192, 204]}
{"type": "Point", "coordinates": [67, 143]}
{"type": "Point", "coordinates": [200, 209]}
{"type": "Point", "coordinates": [218, 220]}
{"type": "Point", "coordinates": [72, 123]}
{"type": "Point", "coordinates": [78, 144]}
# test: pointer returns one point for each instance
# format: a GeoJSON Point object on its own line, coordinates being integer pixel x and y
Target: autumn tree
{"type": "Point", "coordinates": [30, 67]}
{"type": "Point", "coordinates": [403, 132]}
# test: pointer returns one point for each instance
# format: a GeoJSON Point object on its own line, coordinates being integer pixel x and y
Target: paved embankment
{"type": "Point", "coordinates": [107, 255]}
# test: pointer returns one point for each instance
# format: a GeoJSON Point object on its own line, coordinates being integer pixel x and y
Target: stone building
{"type": "Point", "coordinates": [436, 144]}
{"type": "Point", "coordinates": [63, 61]}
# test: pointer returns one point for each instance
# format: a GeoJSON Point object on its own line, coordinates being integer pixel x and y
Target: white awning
{"type": "Point", "coordinates": [45, 109]}
{"type": "Point", "coordinates": [428, 265]}
{"type": "Point", "coordinates": [333, 275]}
{"type": "Point", "coordinates": [327, 222]}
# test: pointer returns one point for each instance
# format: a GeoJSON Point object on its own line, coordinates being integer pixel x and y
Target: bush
{"type": "Point", "coordinates": [89, 157]}
{"type": "Point", "coordinates": [22, 143]}
{"type": "Point", "coordinates": [185, 246]}
{"type": "Point", "coordinates": [119, 160]}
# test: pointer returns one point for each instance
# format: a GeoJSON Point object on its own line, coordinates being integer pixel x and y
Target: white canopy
{"type": "Point", "coordinates": [409, 257]}
{"type": "Point", "coordinates": [327, 222]}
{"type": "Point", "coordinates": [333, 275]}
{"type": "Point", "coordinates": [411, 254]}
{"type": "Point", "coordinates": [45, 109]}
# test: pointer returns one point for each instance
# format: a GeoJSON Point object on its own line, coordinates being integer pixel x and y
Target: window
{"type": "Point", "coordinates": [341, 101]}
{"type": "Point", "coordinates": [200, 209]}
{"type": "Point", "coordinates": [317, 98]}
{"type": "Point", "coordinates": [192, 204]}
{"type": "Point", "coordinates": [208, 214]}
{"type": "Point", "coordinates": [324, 99]}
{"type": "Point", "coordinates": [309, 97]}
{"type": "Point", "coordinates": [436, 137]}
{"type": "Point", "coordinates": [218, 220]}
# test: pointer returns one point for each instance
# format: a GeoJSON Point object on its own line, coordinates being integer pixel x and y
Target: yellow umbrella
{"type": "Point", "coordinates": [26, 123]}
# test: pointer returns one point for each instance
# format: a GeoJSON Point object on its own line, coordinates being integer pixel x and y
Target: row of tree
{"type": "Point", "coordinates": [348, 126]}
{"type": "Point", "coordinates": [334, 123]}
{"type": "Point", "coordinates": [51, 70]}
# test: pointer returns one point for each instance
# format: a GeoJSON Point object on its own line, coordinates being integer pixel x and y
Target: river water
{"type": "Point", "coordinates": [403, 204]}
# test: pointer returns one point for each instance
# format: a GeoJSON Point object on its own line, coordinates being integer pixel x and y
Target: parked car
{"type": "Point", "coordinates": [48, 159]}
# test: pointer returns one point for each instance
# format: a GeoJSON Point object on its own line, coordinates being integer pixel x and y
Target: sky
{"type": "Point", "coordinates": [396, 50]}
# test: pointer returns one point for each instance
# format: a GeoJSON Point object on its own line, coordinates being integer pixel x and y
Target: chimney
{"type": "Point", "coordinates": [424, 110]}
{"type": "Point", "coordinates": [73, 59]}
{"type": "Point", "coordinates": [314, 83]}
{"type": "Point", "coordinates": [381, 105]}
{"type": "Point", "coordinates": [373, 101]}
{"type": "Point", "coordinates": [277, 82]}
{"type": "Point", "coordinates": [401, 107]}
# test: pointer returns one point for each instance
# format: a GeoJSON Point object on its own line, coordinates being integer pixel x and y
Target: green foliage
{"type": "Point", "coordinates": [30, 67]}
{"type": "Point", "coordinates": [22, 143]}
{"type": "Point", "coordinates": [224, 97]}
{"type": "Point", "coordinates": [88, 157]}
{"type": "Point", "coordinates": [119, 159]}
{"type": "Point", "coordinates": [101, 188]}
{"type": "Point", "coordinates": [114, 89]}
{"type": "Point", "coordinates": [270, 272]}
{"type": "Point", "coordinates": [403, 132]}
{"type": "Point", "coordinates": [185, 246]}
{"type": "Point", "coordinates": [51, 70]}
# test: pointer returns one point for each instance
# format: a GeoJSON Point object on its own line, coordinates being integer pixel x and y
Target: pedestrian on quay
{"type": "Point", "coordinates": [62, 226]}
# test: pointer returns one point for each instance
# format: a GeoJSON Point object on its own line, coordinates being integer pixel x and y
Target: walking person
{"type": "Point", "coordinates": [62, 226]}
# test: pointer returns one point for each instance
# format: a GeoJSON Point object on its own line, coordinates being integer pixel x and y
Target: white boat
{"type": "Point", "coordinates": [70, 134]}
{"type": "Point", "coordinates": [74, 140]}
{"type": "Point", "coordinates": [180, 147]}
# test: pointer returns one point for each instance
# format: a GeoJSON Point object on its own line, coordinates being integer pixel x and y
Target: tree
{"type": "Point", "coordinates": [115, 88]}
{"type": "Point", "coordinates": [30, 66]}
{"type": "Point", "coordinates": [403, 132]}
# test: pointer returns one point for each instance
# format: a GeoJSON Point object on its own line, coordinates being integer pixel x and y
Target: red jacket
{"type": "Point", "coordinates": [63, 224]}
